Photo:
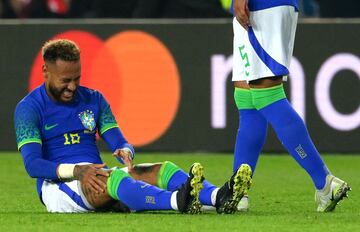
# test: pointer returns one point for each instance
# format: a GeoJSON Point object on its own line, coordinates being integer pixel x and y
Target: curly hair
{"type": "Point", "coordinates": [60, 49]}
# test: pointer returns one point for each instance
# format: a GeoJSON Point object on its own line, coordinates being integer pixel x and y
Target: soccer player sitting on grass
{"type": "Point", "coordinates": [55, 130]}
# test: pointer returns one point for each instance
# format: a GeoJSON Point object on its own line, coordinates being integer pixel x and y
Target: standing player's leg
{"type": "Point", "coordinates": [293, 134]}
{"type": "Point", "coordinates": [252, 125]}
{"type": "Point", "coordinates": [252, 129]}
{"type": "Point", "coordinates": [250, 136]}
{"type": "Point", "coordinates": [289, 127]}
{"type": "Point", "coordinates": [268, 39]}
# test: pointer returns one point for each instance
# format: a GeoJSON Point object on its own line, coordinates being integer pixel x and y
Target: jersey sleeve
{"type": "Point", "coordinates": [35, 165]}
{"type": "Point", "coordinates": [106, 119]}
{"type": "Point", "coordinates": [28, 138]}
{"type": "Point", "coordinates": [27, 125]}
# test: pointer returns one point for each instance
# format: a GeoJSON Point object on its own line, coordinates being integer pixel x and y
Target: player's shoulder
{"type": "Point", "coordinates": [89, 94]}
{"type": "Point", "coordinates": [89, 91]}
{"type": "Point", "coordinates": [32, 100]}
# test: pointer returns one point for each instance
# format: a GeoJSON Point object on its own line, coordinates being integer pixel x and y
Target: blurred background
{"type": "Point", "coordinates": [157, 8]}
{"type": "Point", "coordinates": [165, 68]}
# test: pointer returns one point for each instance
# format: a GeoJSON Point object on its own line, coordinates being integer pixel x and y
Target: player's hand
{"type": "Point", "coordinates": [242, 13]}
{"type": "Point", "coordinates": [88, 176]}
{"type": "Point", "coordinates": [126, 156]}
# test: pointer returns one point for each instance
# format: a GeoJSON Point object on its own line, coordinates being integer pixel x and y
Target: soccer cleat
{"type": "Point", "coordinates": [230, 194]}
{"type": "Point", "coordinates": [243, 205]}
{"type": "Point", "coordinates": [188, 194]}
{"type": "Point", "coordinates": [333, 192]}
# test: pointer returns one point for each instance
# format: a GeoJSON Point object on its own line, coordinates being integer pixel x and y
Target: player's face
{"type": "Point", "coordinates": [62, 79]}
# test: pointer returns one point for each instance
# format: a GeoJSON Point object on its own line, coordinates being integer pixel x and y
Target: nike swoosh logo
{"type": "Point", "coordinates": [47, 127]}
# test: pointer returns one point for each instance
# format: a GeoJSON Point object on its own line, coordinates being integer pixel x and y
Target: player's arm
{"type": "Point", "coordinates": [110, 132]}
{"type": "Point", "coordinates": [37, 167]}
{"type": "Point", "coordinates": [28, 138]}
{"type": "Point", "coordinates": [121, 149]}
{"type": "Point", "coordinates": [242, 12]}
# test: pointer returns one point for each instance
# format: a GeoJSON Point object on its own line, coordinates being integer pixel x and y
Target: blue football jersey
{"type": "Point", "coordinates": [255, 5]}
{"type": "Point", "coordinates": [67, 132]}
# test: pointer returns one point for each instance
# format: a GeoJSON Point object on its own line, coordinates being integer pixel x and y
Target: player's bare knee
{"type": "Point", "coordinates": [241, 84]}
{"type": "Point", "coordinates": [141, 169]}
{"type": "Point", "coordinates": [266, 82]}
{"type": "Point", "coordinates": [97, 200]}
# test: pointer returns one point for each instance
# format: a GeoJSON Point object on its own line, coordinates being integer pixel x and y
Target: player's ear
{"type": "Point", "coordinates": [44, 70]}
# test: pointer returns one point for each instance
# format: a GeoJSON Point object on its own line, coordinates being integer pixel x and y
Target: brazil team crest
{"type": "Point", "coordinates": [88, 119]}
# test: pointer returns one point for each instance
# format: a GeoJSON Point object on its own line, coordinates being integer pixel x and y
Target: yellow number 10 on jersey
{"type": "Point", "coordinates": [71, 138]}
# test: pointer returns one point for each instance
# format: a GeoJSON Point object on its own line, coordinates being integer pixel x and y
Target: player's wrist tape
{"type": "Point", "coordinates": [66, 171]}
{"type": "Point", "coordinates": [126, 149]}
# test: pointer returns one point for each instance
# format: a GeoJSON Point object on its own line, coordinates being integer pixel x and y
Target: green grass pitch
{"type": "Point", "coordinates": [281, 199]}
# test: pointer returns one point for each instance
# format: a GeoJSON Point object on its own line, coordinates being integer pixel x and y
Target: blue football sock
{"type": "Point", "coordinates": [177, 179]}
{"type": "Point", "coordinates": [180, 177]}
{"type": "Point", "coordinates": [140, 196]}
{"type": "Point", "coordinates": [293, 134]}
{"type": "Point", "coordinates": [250, 138]}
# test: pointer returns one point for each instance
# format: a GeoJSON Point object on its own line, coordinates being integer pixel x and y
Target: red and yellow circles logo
{"type": "Point", "coordinates": [137, 75]}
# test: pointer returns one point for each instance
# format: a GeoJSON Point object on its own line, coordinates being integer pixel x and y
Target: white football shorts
{"type": "Point", "coordinates": [266, 49]}
{"type": "Point", "coordinates": [65, 197]}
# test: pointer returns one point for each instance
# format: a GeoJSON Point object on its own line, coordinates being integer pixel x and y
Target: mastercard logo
{"type": "Point", "coordinates": [135, 72]}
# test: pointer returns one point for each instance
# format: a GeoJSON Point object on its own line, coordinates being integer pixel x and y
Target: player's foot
{"type": "Point", "coordinates": [188, 195]}
{"type": "Point", "coordinates": [243, 205]}
{"type": "Point", "coordinates": [230, 194]}
{"type": "Point", "coordinates": [333, 192]}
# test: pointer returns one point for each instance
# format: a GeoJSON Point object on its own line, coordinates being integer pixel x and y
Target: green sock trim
{"type": "Point", "coordinates": [166, 171]}
{"type": "Point", "coordinates": [243, 99]}
{"type": "Point", "coordinates": [116, 176]}
{"type": "Point", "coordinates": [267, 96]}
